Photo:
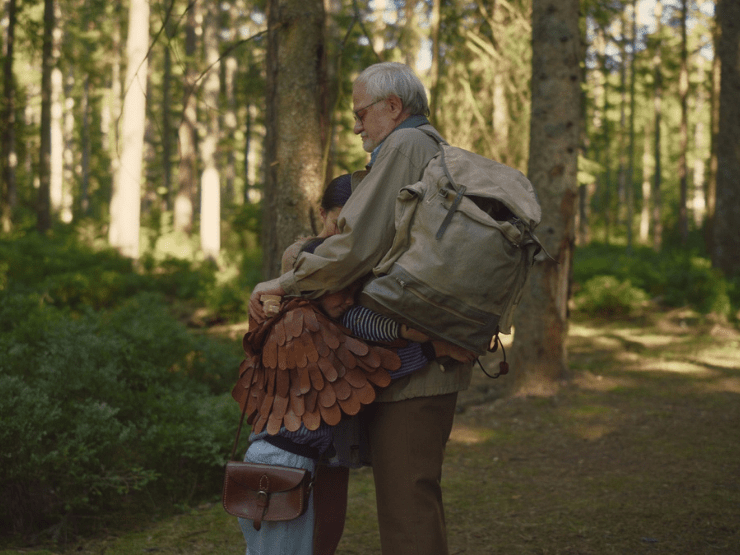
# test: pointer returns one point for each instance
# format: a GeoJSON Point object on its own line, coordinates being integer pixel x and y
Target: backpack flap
{"type": "Point", "coordinates": [462, 251]}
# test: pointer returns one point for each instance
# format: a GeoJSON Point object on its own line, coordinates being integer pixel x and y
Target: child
{"type": "Point", "coordinates": [302, 448]}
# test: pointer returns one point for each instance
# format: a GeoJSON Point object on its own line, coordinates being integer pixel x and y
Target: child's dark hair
{"type": "Point", "coordinates": [337, 192]}
{"type": "Point", "coordinates": [311, 244]}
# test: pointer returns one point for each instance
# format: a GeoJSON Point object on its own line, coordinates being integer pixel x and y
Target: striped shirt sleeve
{"type": "Point", "coordinates": [370, 325]}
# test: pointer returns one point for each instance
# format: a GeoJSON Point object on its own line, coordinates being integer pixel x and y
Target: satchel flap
{"type": "Point", "coordinates": [258, 477]}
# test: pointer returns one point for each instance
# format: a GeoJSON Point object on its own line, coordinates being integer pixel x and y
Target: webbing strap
{"type": "Point", "coordinates": [450, 212]}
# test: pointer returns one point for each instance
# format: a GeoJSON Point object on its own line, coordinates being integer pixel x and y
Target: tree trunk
{"type": "Point", "coordinates": [9, 160]}
{"type": "Point", "coordinates": [539, 357]}
{"type": "Point", "coordinates": [658, 147]}
{"type": "Point", "coordinates": [43, 207]}
{"type": "Point", "coordinates": [293, 154]}
{"type": "Point", "coordinates": [714, 131]}
{"type": "Point", "coordinates": [56, 181]}
{"type": "Point", "coordinates": [698, 196]}
{"type": "Point", "coordinates": [646, 192]}
{"type": "Point", "coordinates": [83, 205]}
{"type": "Point", "coordinates": [436, 60]}
{"type": "Point", "coordinates": [186, 133]}
{"type": "Point", "coordinates": [630, 181]}
{"type": "Point", "coordinates": [125, 210]}
{"type": "Point", "coordinates": [623, 155]}
{"type": "Point", "coordinates": [727, 210]}
{"type": "Point", "coordinates": [606, 178]}
{"type": "Point", "coordinates": [683, 93]}
{"type": "Point", "coordinates": [210, 181]}
{"type": "Point", "coordinates": [230, 126]}
{"type": "Point", "coordinates": [167, 121]}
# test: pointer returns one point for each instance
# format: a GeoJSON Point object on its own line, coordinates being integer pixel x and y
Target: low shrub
{"type": "Point", "coordinates": [674, 278]}
{"type": "Point", "coordinates": [608, 296]}
{"type": "Point", "coordinates": [96, 406]}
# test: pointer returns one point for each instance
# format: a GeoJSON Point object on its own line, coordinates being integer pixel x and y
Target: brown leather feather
{"type": "Point", "coordinates": [345, 355]}
{"type": "Point", "coordinates": [302, 369]}
{"type": "Point", "coordinates": [351, 405]}
{"type": "Point", "coordinates": [331, 415]}
{"type": "Point", "coordinates": [342, 389]}
{"type": "Point", "coordinates": [356, 346]}
{"type": "Point", "coordinates": [327, 368]}
{"type": "Point", "coordinates": [327, 397]}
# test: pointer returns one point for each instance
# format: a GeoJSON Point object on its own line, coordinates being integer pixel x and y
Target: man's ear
{"type": "Point", "coordinates": [396, 106]}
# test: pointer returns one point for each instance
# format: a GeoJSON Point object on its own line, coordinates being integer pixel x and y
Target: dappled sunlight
{"type": "Point", "coordinates": [723, 385]}
{"type": "Point", "coordinates": [469, 435]}
{"type": "Point", "coordinates": [727, 357]}
{"type": "Point", "coordinates": [579, 330]}
{"type": "Point", "coordinates": [674, 367]}
{"type": "Point", "coordinates": [593, 382]}
{"type": "Point", "coordinates": [592, 431]}
{"type": "Point", "coordinates": [648, 340]}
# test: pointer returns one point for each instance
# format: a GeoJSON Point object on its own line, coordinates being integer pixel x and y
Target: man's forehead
{"type": "Point", "coordinates": [359, 92]}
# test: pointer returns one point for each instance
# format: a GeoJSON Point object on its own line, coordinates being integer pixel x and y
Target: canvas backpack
{"type": "Point", "coordinates": [463, 249]}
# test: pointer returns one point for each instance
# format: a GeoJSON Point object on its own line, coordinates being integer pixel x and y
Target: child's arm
{"type": "Point", "coordinates": [371, 326]}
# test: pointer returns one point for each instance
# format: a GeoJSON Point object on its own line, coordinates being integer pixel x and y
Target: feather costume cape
{"type": "Point", "coordinates": [301, 367]}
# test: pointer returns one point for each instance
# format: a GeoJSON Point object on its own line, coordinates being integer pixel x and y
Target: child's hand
{"type": "Point", "coordinates": [256, 309]}
{"type": "Point", "coordinates": [413, 335]}
{"type": "Point", "coordinates": [447, 349]}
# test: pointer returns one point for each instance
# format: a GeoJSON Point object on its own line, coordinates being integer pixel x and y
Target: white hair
{"type": "Point", "coordinates": [392, 78]}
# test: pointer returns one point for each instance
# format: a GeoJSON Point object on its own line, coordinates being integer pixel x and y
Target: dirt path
{"type": "Point", "coordinates": [639, 453]}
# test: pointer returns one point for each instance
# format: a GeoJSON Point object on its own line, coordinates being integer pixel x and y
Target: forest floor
{"type": "Point", "coordinates": [638, 453]}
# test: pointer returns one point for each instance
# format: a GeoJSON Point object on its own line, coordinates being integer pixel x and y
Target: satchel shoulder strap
{"type": "Point", "coordinates": [238, 433]}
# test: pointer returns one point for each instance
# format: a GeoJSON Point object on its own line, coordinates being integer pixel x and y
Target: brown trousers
{"type": "Point", "coordinates": [407, 442]}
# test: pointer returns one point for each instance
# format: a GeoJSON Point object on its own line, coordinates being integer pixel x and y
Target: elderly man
{"type": "Point", "coordinates": [410, 423]}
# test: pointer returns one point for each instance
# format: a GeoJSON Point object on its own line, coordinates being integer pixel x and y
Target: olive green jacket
{"type": "Point", "coordinates": [366, 230]}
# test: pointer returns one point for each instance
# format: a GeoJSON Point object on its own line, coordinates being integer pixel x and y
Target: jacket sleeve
{"type": "Point", "coordinates": [367, 221]}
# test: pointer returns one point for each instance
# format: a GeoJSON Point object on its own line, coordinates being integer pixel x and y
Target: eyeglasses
{"type": "Point", "coordinates": [360, 114]}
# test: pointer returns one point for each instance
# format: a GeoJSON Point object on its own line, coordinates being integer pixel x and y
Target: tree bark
{"type": "Point", "coordinates": [657, 215]}
{"type": "Point", "coordinates": [683, 93]}
{"type": "Point", "coordinates": [714, 131]}
{"type": "Point", "coordinates": [539, 356]}
{"type": "Point", "coordinates": [210, 181]}
{"type": "Point", "coordinates": [186, 133]}
{"type": "Point", "coordinates": [125, 211]}
{"type": "Point", "coordinates": [630, 181]}
{"type": "Point", "coordinates": [43, 206]}
{"type": "Point", "coordinates": [9, 160]}
{"type": "Point", "coordinates": [727, 210]}
{"type": "Point", "coordinates": [293, 152]}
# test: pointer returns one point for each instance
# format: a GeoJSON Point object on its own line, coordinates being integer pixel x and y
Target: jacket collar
{"type": "Point", "coordinates": [408, 123]}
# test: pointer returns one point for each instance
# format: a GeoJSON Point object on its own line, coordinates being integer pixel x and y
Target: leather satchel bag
{"type": "Point", "coordinates": [263, 492]}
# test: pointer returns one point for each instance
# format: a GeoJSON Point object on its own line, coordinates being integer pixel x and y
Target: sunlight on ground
{"type": "Point", "coordinates": [673, 366]}
{"type": "Point", "coordinates": [647, 340]}
{"type": "Point", "coordinates": [593, 431]}
{"type": "Point", "coordinates": [720, 357]}
{"type": "Point", "coordinates": [728, 385]}
{"type": "Point", "coordinates": [470, 436]}
{"type": "Point", "coordinates": [595, 382]}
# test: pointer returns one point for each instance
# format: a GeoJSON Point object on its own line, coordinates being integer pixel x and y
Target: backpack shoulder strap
{"type": "Point", "coordinates": [432, 132]}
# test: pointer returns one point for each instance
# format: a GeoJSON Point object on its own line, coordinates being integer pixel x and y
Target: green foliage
{"type": "Point", "coordinates": [105, 397]}
{"type": "Point", "coordinates": [607, 296]}
{"type": "Point", "coordinates": [674, 278]}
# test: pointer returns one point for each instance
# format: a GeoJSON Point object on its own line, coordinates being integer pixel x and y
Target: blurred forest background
{"type": "Point", "coordinates": [148, 184]}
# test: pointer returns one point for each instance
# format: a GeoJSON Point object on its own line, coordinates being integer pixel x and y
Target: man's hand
{"type": "Point", "coordinates": [256, 310]}
{"type": "Point", "coordinates": [447, 349]}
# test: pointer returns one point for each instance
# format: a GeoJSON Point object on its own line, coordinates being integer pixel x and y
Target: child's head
{"type": "Point", "coordinates": [333, 304]}
{"type": "Point", "coordinates": [334, 198]}
{"type": "Point", "coordinates": [336, 304]}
